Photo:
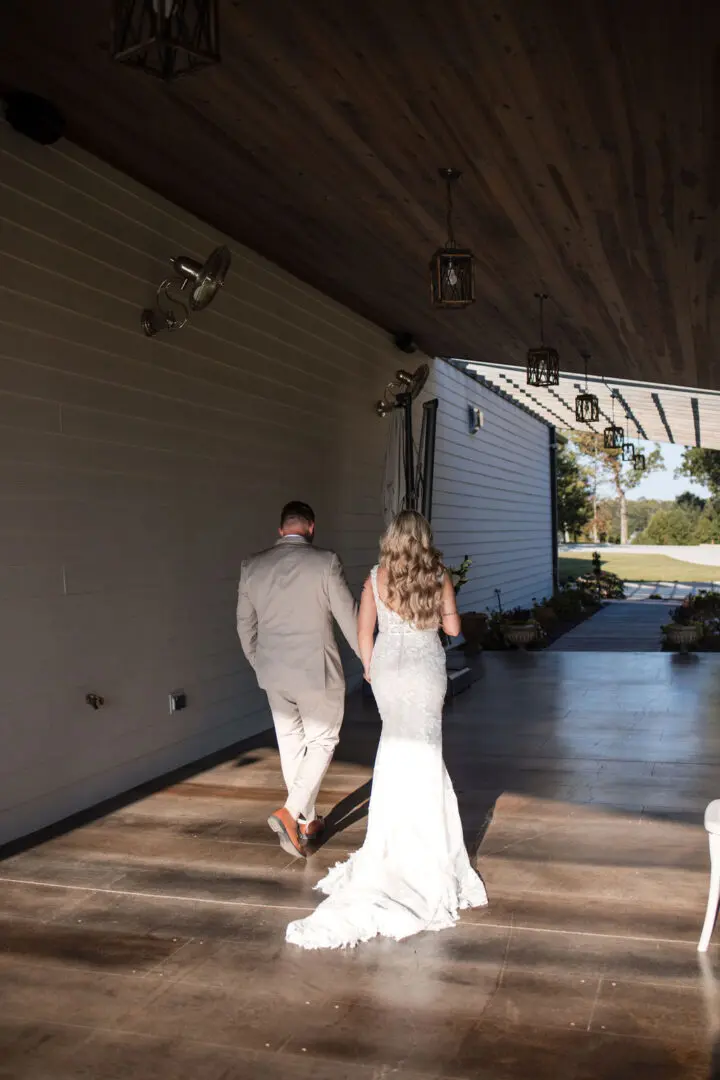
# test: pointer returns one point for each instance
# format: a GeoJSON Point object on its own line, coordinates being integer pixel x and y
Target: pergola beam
{"type": "Point", "coordinates": [696, 419]}
{"type": "Point", "coordinates": [663, 417]}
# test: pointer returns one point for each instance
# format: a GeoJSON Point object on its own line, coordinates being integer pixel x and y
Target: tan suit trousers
{"type": "Point", "coordinates": [307, 725]}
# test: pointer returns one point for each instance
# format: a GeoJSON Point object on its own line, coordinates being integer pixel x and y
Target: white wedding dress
{"type": "Point", "coordinates": [413, 872]}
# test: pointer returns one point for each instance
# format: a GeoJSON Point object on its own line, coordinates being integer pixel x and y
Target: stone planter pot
{"type": "Point", "coordinates": [519, 634]}
{"type": "Point", "coordinates": [682, 635]}
{"type": "Point", "coordinates": [474, 628]}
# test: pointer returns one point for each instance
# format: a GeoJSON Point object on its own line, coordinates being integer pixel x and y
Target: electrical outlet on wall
{"type": "Point", "coordinates": [178, 700]}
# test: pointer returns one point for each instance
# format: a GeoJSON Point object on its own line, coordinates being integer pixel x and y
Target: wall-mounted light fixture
{"type": "Point", "coordinates": [476, 419]}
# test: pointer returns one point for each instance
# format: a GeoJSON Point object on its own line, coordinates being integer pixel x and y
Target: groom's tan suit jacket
{"type": "Point", "coordinates": [287, 599]}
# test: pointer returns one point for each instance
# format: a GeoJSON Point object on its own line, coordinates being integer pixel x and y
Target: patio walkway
{"type": "Point", "coordinates": [621, 626]}
{"type": "Point", "coordinates": [149, 944]}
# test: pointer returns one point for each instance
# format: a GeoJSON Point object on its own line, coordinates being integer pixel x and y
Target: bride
{"type": "Point", "coordinates": [413, 872]}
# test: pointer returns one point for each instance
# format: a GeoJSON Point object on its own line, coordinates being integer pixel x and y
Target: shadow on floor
{"type": "Point", "coordinates": [492, 745]}
{"type": "Point", "coordinates": [351, 809]}
{"type": "Point", "coordinates": [241, 751]}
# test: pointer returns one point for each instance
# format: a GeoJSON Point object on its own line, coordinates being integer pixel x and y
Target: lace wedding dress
{"type": "Point", "coordinates": [413, 872]}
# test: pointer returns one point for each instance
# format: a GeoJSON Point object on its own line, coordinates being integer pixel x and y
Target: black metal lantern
{"type": "Point", "coordinates": [628, 452]}
{"type": "Point", "coordinates": [587, 409]}
{"type": "Point", "coordinates": [639, 461]}
{"type": "Point", "coordinates": [543, 367]}
{"type": "Point", "coordinates": [543, 364]}
{"type": "Point", "coordinates": [587, 406]}
{"type": "Point", "coordinates": [452, 269]}
{"type": "Point", "coordinates": [166, 38]}
{"type": "Point", "coordinates": [613, 437]}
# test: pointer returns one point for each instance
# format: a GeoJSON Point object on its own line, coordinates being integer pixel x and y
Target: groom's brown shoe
{"type": "Point", "coordinates": [312, 830]}
{"type": "Point", "coordinates": [286, 827]}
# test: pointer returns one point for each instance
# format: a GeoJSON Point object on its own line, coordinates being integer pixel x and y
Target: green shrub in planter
{"type": "Point", "coordinates": [568, 604]}
{"type": "Point", "coordinates": [605, 586]}
{"type": "Point", "coordinates": [545, 614]}
{"type": "Point", "coordinates": [705, 604]}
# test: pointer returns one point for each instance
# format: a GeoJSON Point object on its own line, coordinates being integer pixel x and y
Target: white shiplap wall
{"type": "Point", "coordinates": [135, 474]}
{"type": "Point", "coordinates": [492, 493]}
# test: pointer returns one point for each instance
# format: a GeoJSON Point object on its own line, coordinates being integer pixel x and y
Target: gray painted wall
{"type": "Point", "coordinates": [135, 474]}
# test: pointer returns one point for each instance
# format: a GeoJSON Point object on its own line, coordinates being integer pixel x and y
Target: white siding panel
{"type": "Point", "coordinates": [492, 493]}
{"type": "Point", "coordinates": [136, 474]}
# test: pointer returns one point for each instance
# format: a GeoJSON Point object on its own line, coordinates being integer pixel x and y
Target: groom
{"type": "Point", "coordinates": [287, 598]}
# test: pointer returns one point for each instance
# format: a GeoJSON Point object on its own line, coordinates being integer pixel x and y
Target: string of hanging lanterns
{"type": "Point", "coordinates": [452, 285]}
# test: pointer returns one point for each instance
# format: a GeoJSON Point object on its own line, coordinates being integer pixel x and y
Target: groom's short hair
{"type": "Point", "coordinates": [297, 513]}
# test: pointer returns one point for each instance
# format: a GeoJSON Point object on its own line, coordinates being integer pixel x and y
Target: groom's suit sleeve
{"type": "Point", "coordinates": [343, 604]}
{"type": "Point", "coordinates": [247, 622]}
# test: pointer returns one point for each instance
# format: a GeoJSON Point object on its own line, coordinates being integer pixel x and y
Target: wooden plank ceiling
{"type": "Point", "coordinates": [588, 133]}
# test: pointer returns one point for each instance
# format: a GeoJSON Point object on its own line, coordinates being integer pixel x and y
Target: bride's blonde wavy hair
{"type": "Point", "coordinates": [414, 570]}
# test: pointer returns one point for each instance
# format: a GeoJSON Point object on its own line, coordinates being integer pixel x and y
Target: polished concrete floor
{"type": "Point", "coordinates": [149, 945]}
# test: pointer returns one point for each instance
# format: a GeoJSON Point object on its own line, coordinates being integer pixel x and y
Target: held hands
{"type": "Point", "coordinates": [366, 676]}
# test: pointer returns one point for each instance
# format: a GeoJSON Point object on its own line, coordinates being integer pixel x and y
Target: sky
{"type": "Point", "coordinates": [662, 484]}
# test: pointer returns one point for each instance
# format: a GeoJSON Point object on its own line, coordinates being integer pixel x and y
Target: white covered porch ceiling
{"type": "Point", "coordinates": [658, 413]}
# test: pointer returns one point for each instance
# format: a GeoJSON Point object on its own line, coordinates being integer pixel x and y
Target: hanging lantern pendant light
{"type": "Point", "coordinates": [587, 406]}
{"type": "Point", "coordinates": [628, 450]}
{"type": "Point", "coordinates": [613, 436]}
{"type": "Point", "coordinates": [638, 459]}
{"type": "Point", "coordinates": [452, 270]}
{"type": "Point", "coordinates": [543, 364]}
{"type": "Point", "coordinates": [166, 38]}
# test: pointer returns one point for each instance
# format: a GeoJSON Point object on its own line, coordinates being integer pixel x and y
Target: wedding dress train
{"type": "Point", "coordinates": [413, 872]}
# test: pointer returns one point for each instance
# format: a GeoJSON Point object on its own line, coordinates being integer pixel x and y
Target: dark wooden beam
{"type": "Point", "coordinates": [629, 413]}
{"type": "Point", "coordinates": [663, 417]}
{"type": "Point", "coordinates": [696, 419]}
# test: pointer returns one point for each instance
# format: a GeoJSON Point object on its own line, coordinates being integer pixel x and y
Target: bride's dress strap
{"type": "Point", "coordinates": [373, 579]}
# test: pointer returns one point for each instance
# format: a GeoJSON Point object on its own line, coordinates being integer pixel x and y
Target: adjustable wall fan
{"type": "Point", "coordinates": [193, 286]}
{"type": "Point", "coordinates": [405, 385]}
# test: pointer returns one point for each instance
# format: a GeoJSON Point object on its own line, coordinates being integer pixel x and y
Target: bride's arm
{"type": "Point", "coordinates": [450, 617]}
{"type": "Point", "coordinates": [367, 619]}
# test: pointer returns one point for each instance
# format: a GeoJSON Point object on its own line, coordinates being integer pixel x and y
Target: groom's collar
{"type": "Point", "coordinates": [293, 538]}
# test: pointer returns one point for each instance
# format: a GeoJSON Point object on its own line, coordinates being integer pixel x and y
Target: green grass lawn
{"type": "Point", "coordinates": [638, 567]}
